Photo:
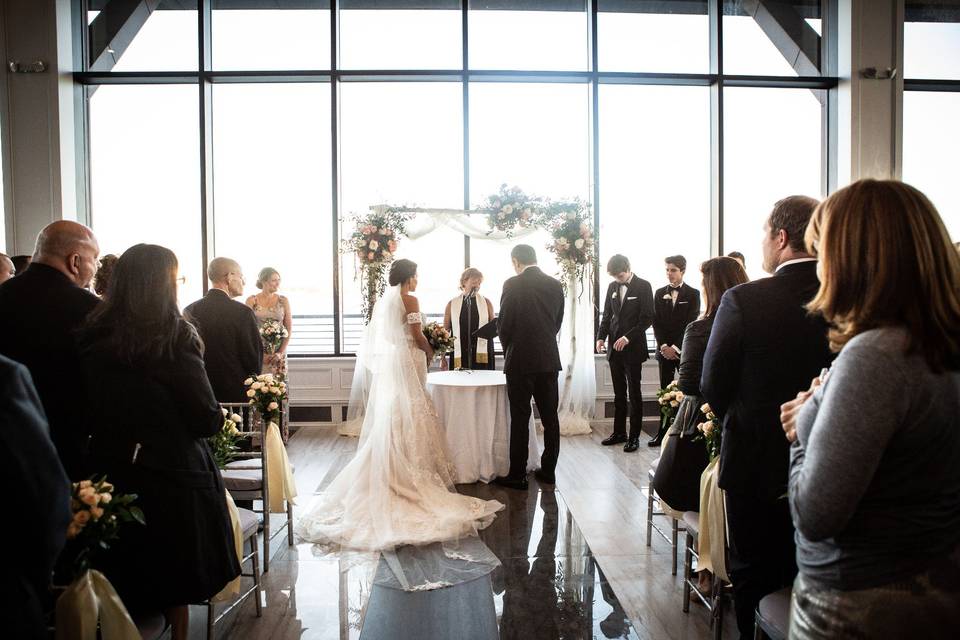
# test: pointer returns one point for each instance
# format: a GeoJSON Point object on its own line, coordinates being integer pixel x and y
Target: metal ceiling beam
{"type": "Point", "coordinates": [796, 40]}
{"type": "Point", "coordinates": [114, 28]}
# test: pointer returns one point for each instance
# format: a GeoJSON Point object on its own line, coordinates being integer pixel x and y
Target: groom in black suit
{"type": "Point", "coordinates": [531, 312]}
{"type": "Point", "coordinates": [627, 314]}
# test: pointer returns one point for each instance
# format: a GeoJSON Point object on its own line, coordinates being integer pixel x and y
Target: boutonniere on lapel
{"type": "Point", "coordinates": [614, 296]}
{"type": "Point", "coordinates": [667, 297]}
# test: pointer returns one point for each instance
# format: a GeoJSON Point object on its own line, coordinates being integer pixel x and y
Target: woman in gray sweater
{"type": "Point", "coordinates": [875, 464]}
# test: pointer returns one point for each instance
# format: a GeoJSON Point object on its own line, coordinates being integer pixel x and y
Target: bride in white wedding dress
{"type": "Point", "coordinates": [398, 488]}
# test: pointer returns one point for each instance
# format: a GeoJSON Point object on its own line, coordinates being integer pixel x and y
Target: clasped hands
{"type": "Point", "coordinates": [669, 352]}
{"type": "Point", "coordinates": [790, 410]}
{"type": "Point", "coordinates": [619, 345]}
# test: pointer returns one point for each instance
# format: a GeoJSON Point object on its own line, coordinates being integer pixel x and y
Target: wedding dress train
{"type": "Point", "coordinates": [398, 488]}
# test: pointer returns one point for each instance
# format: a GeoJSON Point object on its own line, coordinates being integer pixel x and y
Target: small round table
{"type": "Point", "coordinates": [475, 415]}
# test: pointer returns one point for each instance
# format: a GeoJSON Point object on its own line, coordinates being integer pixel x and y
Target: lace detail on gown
{"type": "Point", "coordinates": [398, 488]}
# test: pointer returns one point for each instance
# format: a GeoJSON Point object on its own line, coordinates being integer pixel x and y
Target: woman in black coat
{"type": "Point", "coordinates": [150, 409]}
{"type": "Point", "coordinates": [684, 457]}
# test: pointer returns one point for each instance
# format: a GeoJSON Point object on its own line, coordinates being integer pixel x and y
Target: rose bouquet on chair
{"type": "Point", "coordinates": [669, 399]}
{"type": "Point", "coordinates": [267, 393]}
{"type": "Point", "coordinates": [273, 333]}
{"type": "Point", "coordinates": [710, 431]}
{"type": "Point", "coordinates": [441, 340]}
{"type": "Point", "coordinates": [223, 444]}
{"type": "Point", "coordinates": [98, 514]}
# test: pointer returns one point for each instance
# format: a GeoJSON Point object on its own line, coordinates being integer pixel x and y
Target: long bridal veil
{"type": "Point", "coordinates": [398, 488]}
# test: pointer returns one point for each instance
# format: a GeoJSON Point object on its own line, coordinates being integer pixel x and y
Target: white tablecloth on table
{"type": "Point", "coordinates": [475, 416]}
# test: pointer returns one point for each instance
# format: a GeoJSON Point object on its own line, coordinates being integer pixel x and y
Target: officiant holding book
{"type": "Point", "coordinates": [471, 312]}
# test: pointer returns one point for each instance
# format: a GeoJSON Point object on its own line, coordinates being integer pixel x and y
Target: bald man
{"type": "Point", "coordinates": [232, 345]}
{"type": "Point", "coordinates": [42, 309]}
{"type": "Point", "coordinates": [7, 270]}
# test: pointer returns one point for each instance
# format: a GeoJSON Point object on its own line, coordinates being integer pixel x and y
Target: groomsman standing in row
{"type": "Point", "coordinates": [677, 305]}
{"type": "Point", "coordinates": [627, 314]}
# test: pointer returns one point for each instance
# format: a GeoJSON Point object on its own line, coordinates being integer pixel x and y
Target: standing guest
{"type": "Point", "coordinates": [763, 349]}
{"type": "Point", "coordinates": [628, 312]}
{"type": "Point", "coordinates": [678, 475]}
{"type": "Point", "coordinates": [874, 480]}
{"type": "Point", "coordinates": [472, 312]}
{"type": "Point", "coordinates": [676, 306]}
{"type": "Point", "coordinates": [531, 312]}
{"type": "Point", "coordinates": [20, 263]}
{"type": "Point", "coordinates": [736, 255]}
{"type": "Point", "coordinates": [270, 305]}
{"type": "Point", "coordinates": [232, 346]}
{"type": "Point", "coordinates": [152, 408]}
{"type": "Point", "coordinates": [43, 307]}
{"type": "Point", "coordinates": [41, 503]}
{"type": "Point", "coordinates": [7, 270]}
{"type": "Point", "coordinates": [102, 280]}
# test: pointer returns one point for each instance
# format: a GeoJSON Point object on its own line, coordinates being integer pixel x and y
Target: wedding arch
{"type": "Point", "coordinates": [507, 215]}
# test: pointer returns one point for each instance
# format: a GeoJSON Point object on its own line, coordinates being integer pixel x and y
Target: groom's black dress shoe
{"type": "Point", "coordinates": [655, 441]}
{"type": "Point", "coordinates": [543, 478]}
{"type": "Point", "coordinates": [512, 483]}
{"type": "Point", "coordinates": [616, 438]}
{"type": "Point", "coordinates": [632, 445]}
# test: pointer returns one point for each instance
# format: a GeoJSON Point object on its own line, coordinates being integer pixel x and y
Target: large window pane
{"type": "Point", "coordinates": [552, 38]}
{"type": "Point", "coordinates": [655, 177]}
{"type": "Point", "coordinates": [401, 35]}
{"type": "Point", "coordinates": [771, 150]}
{"type": "Point", "coordinates": [145, 173]}
{"type": "Point", "coordinates": [755, 42]}
{"type": "Point", "coordinates": [285, 38]}
{"type": "Point", "coordinates": [665, 37]}
{"type": "Point", "coordinates": [931, 137]}
{"type": "Point", "coordinates": [165, 41]}
{"type": "Point", "coordinates": [272, 196]}
{"type": "Point", "coordinates": [533, 136]}
{"type": "Point", "coordinates": [931, 39]}
{"type": "Point", "coordinates": [402, 144]}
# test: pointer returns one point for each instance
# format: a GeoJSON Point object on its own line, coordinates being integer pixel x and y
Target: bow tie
{"type": "Point", "coordinates": [672, 288]}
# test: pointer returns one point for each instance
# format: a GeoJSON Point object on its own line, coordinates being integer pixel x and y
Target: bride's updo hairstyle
{"type": "Point", "coordinates": [402, 270]}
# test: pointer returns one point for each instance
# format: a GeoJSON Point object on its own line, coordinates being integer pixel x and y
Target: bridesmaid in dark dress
{"type": "Point", "coordinates": [473, 309]}
{"type": "Point", "coordinates": [151, 408]}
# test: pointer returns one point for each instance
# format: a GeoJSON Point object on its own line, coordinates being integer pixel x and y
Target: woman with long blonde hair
{"type": "Point", "coordinates": [875, 464]}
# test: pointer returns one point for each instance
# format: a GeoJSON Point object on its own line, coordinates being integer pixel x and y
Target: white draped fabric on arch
{"type": "Point", "coordinates": [577, 381]}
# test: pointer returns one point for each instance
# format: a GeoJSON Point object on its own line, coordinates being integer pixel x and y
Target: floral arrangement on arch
{"type": "Point", "coordinates": [373, 243]}
{"type": "Point", "coordinates": [573, 244]}
{"type": "Point", "coordinates": [510, 207]}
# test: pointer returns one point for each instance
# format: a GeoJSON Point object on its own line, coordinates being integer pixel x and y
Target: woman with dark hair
{"type": "Point", "coordinates": [398, 488]}
{"type": "Point", "coordinates": [101, 281]}
{"type": "Point", "coordinates": [471, 311]}
{"type": "Point", "coordinates": [875, 463]}
{"type": "Point", "coordinates": [150, 409]}
{"type": "Point", "coordinates": [677, 479]}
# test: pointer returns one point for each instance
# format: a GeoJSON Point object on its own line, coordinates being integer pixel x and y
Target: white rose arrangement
{"type": "Point", "coordinates": [710, 431]}
{"type": "Point", "coordinates": [272, 333]}
{"type": "Point", "coordinates": [669, 400]}
{"type": "Point", "coordinates": [223, 444]}
{"type": "Point", "coordinates": [98, 514]}
{"type": "Point", "coordinates": [267, 393]}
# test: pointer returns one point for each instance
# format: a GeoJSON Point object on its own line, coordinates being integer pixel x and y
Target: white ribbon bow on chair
{"type": "Point", "coordinates": [280, 477]}
{"type": "Point", "coordinates": [91, 598]}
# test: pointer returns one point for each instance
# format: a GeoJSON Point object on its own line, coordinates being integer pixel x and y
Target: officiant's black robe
{"type": "Point", "coordinates": [468, 357]}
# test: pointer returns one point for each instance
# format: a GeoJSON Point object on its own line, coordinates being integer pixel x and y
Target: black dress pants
{"type": "Point", "coordinates": [626, 375]}
{"type": "Point", "coordinates": [763, 554]}
{"type": "Point", "coordinates": [542, 387]}
{"type": "Point", "coordinates": [668, 369]}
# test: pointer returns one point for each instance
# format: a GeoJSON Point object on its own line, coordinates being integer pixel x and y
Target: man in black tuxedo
{"type": "Point", "coordinates": [627, 314]}
{"type": "Point", "coordinates": [764, 348]}
{"type": "Point", "coordinates": [531, 312]}
{"type": "Point", "coordinates": [676, 305]}
{"type": "Point", "coordinates": [40, 500]}
{"type": "Point", "coordinates": [232, 345]}
{"type": "Point", "coordinates": [42, 309]}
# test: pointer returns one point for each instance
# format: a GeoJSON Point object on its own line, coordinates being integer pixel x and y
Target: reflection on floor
{"type": "Point", "coordinates": [556, 551]}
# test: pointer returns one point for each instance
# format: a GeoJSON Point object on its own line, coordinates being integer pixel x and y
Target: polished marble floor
{"type": "Point", "coordinates": [571, 562]}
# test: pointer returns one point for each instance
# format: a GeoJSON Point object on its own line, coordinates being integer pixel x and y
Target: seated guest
{"type": "Point", "coordinates": [683, 460]}
{"type": "Point", "coordinates": [875, 461]}
{"type": "Point", "coordinates": [102, 280]}
{"type": "Point", "coordinates": [736, 255]}
{"type": "Point", "coordinates": [42, 308]}
{"type": "Point", "coordinates": [40, 504]}
{"type": "Point", "coordinates": [151, 408]}
{"type": "Point", "coordinates": [472, 311]}
{"type": "Point", "coordinates": [764, 347]}
{"type": "Point", "coordinates": [20, 263]}
{"type": "Point", "coordinates": [7, 270]}
{"type": "Point", "coordinates": [231, 339]}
